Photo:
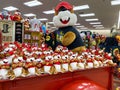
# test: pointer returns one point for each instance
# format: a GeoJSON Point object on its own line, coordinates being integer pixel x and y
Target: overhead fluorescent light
{"type": "Point", "coordinates": [94, 19]}
{"type": "Point", "coordinates": [49, 12]}
{"type": "Point", "coordinates": [118, 25]}
{"type": "Point", "coordinates": [43, 19]}
{"type": "Point", "coordinates": [95, 23]}
{"type": "Point", "coordinates": [99, 27]}
{"type": "Point", "coordinates": [77, 24]}
{"type": "Point", "coordinates": [87, 15]}
{"type": "Point", "coordinates": [33, 3]}
{"type": "Point", "coordinates": [80, 26]}
{"type": "Point", "coordinates": [82, 7]}
{"type": "Point", "coordinates": [50, 22]}
{"type": "Point", "coordinates": [10, 8]}
{"type": "Point", "coordinates": [115, 2]}
{"type": "Point", "coordinates": [29, 15]}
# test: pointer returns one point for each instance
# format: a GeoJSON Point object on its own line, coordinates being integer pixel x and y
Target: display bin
{"type": "Point", "coordinates": [102, 76]}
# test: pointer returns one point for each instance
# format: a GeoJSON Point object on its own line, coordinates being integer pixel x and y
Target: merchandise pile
{"type": "Point", "coordinates": [22, 60]}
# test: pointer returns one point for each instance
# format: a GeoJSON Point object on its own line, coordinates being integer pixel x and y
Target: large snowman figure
{"type": "Point", "coordinates": [66, 35]}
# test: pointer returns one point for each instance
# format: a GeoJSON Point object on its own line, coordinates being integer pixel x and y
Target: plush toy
{"type": "Point", "coordinates": [74, 61]}
{"type": "Point", "coordinates": [26, 24]}
{"type": "Point", "coordinates": [118, 39]}
{"type": "Point", "coordinates": [30, 65]}
{"type": "Point", "coordinates": [57, 63]}
{"type": "Point", "coordinates": [66, 35]}
{"type": "Point", "coordinates": [48, 64]}
{"type": "Point", "coordinates": [10, 17]}
{"type": "Point", "coordinates": [81, 62]}
{"type": "Point", "coordinates": [65, 63]}
{"type": "Point", "coordinates": [1, 16]}
{"type": "Point", "coordinates": [18, 67]}
{"type": "Point", "coordinates": [17, 16]}
{"type": "Point", "coordinates": [5, 14]}
{"type": "Point", "coordinates": [5, 72]}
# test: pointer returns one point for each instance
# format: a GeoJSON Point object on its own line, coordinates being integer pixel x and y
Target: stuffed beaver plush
{"type": "Point", "coordinates": [66, 35]}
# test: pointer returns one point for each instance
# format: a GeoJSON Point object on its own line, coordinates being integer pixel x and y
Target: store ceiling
{"type": "Point", "coordinates": [107, 14]}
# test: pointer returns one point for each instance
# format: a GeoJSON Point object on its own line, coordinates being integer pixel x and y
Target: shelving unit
{"type": "Point", "coordinates": [32, 37]}
{"type": "Point", "coordinates": [19, 32]}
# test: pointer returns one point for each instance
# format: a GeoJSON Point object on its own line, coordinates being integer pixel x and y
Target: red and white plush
{"type": "Point", "coordinates": [108, 59]}
{"type": "Point", "coordinates": [18, 67]}
{"type": "Point", "coordinates": [4, 69]}
{"type": "Point", "coordinates": [81, 62]}
{"type": "Point", "coordinates": [31, 66]}
{"type": "Point", "coordinates": [89, 62]}
{"type": "Point", "coordinates": [57, 63]}
{"type": "Point", "coordinates": [10, 17]}
{"type": "Point", "coordinates": [39, 64]}
{"type": "Point", "coordinates": [73, 61]}
{"type": "Point", "coordinates": [17, 16]}
{"type": "Point", "coordinates": [1, 16]}
{"type": "Point", "coordinates": [59, 49]}
{"type": "Point", "coordinates": [65, 63]}
{"type": "Point", "coordinates": [48, 64]}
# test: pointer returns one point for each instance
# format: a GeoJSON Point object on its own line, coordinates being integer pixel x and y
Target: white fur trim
{"type": "Point", "coordinates": [65, 15]}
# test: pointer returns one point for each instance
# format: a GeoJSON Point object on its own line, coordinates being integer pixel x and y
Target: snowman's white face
{"type": "Point", "coordinates": [31, 59]}
{"type": "Point", "coordinates": [80, 57]}
{"type": "Point", "coordinates": [3, 62]}
{"type": "Point", "coordinates": [57, 57]}
{"type": "Point", "coordinates": [73, 56]}
{"type": "Point", "coordinates": [8, 49]}
{"type": "Point", "coordinates": [65, 18]}
{"type": "Point", "coordinates": [49, 58]}
{"type": "Point", "coordinates": [39, 60]}
{"type": "Point", "coordinates": [65, 57]}
{"type": "Point", "coordinates": [18, 59]}
{"type": "Point", "coordinates": [12, 46]}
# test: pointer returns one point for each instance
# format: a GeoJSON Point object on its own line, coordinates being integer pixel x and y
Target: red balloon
{"type": "Point", "coordinates": [82, 85]}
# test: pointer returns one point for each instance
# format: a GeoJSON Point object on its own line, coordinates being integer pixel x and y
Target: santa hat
{"type": "Point", "coordinates": [63, 4]}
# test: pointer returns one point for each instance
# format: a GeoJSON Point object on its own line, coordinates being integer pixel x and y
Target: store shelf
{"type": "Point", "coordinates": [32, 37]}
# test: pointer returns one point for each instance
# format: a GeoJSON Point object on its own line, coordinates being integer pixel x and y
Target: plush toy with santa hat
{"type": "Point", "coordinates": [66, 35]}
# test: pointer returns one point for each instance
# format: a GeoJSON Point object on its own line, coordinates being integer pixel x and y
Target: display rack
{"type": "Point", "coordinates": [19, 32]}
{"type": "Point", "coordinates": [33, 37]}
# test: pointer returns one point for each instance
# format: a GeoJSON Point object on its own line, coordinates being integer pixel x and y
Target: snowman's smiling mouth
{"type": "Point", "coordinates": [65, 21]}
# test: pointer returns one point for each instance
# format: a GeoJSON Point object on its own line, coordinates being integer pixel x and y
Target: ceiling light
{"type": "Point", "coordinates": [43, 19]}
{"type": "Point", "coordinates": [87, 15]}
{"type": "Point", "coordinates": [95, 23]}
{"type": "Point", "coordinates": [29, 15]}
{"type": "Point", "coordinates": [33, 3]}
{"type": "Point", "coordinates": [80, 26]}
{"type": "Point", "coordinates": [10, 8]}
{"type": "Point", "coordinates": [77, 24]}
{"type": "Point", "coordinates": [82, 7]}
{"type": "Point", "coordinates": [99, 27]}
{"type": "Point", "coordinates": [94, 19]}
{"type": "Point", "coordinates": [50, 22]}
{"type": "Point", "coordinates": [115, 2]}
{"type": "Point", "coordinates": [49, 12]}
{"type": "Point", "coordinates": [118, 25]}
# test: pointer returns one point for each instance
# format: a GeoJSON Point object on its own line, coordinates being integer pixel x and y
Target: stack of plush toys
{"type": "Point", "coordinates": [5, 15]}
{"type": "Point", "coordinates": [23, 60]}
